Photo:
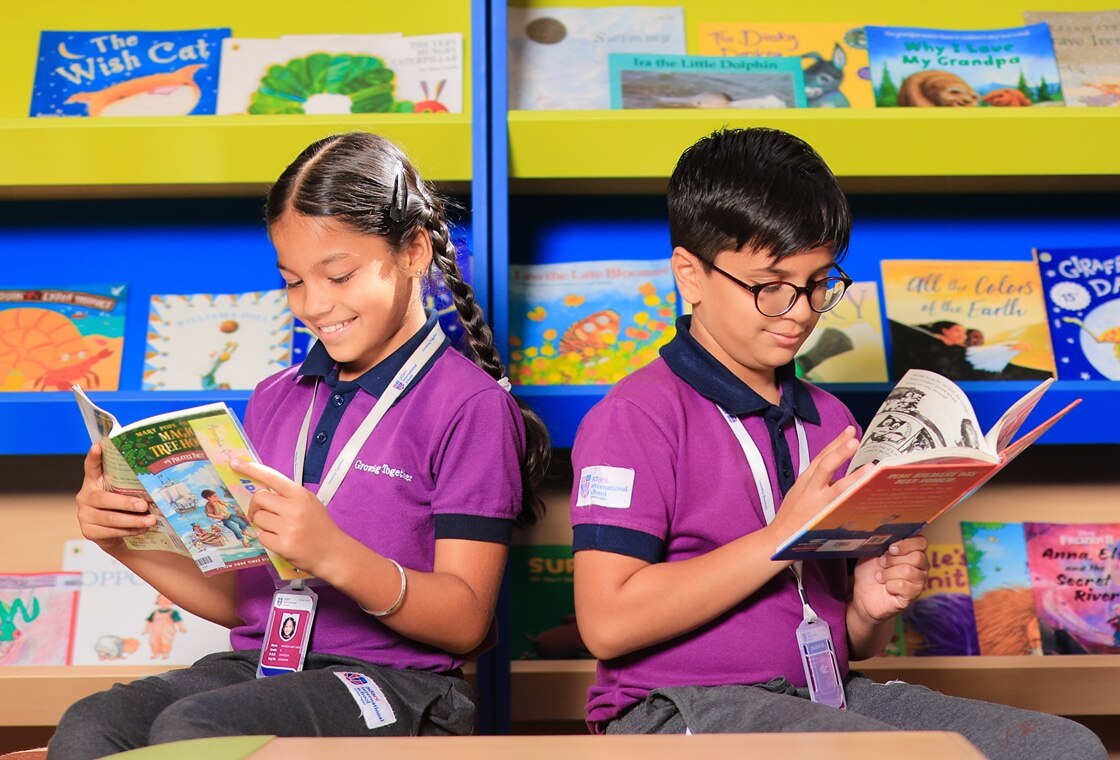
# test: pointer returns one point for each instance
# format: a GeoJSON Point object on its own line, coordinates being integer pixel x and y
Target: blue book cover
{"type": "Point", "coordinates": [1082, 290]}
{"type": "Point", "coordinates": [127, 73]}
{"type": "Point", "coordinates": [700, 81]}
{"type": "Point", "coordinates": [912, 67]}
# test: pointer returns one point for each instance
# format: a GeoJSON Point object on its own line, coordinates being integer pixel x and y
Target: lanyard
{"type": "Point", "coordinates": [765, 491]}
{"type": "Point", "coordinates": [412, 366]}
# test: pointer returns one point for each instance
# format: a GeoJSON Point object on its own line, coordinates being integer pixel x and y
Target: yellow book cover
{"type": "Point", "coordinates": [967, 320]}
{"type": "Point", "coordinates": [834, 56]}
{"type": "Point", "coordinates": [847, 344]}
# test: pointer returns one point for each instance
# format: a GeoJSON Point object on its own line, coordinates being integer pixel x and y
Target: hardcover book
{"type": "Point", "coordinates": [847, 344]}
{"type": "Point", "coordinates": [216, 341]}
{"type": "Point", "coordinates": [37, 612]}
{"type": "Point", "coordinates": [178, 463]}
{"type": "Point", "coordinates": [127, 73]}
{"type": "Point", "coordinates": [912, 67]}
{"type": "Point", "coordinates": [121, 619]}
{"type": "Point", "coordinates": [558, 57]}
{"type": "Point", "coordinates": [588, 322]}
{"type": "Point", "coordinates": [51, 338]}
{"type": "Point", "coordinates": [967, 320]}
{"type": "Point", "coordinates": [1075, 577]}
{"type": "Point", "coordinates": [999, 579]}
{"type": "Point", "coordinates": [941, 622]}
{"type": "Point", "coordinates": [833, 56]}
{"type": "Point", "coordinates": [1082, 287]}
{"type": "Point", "coordinates": [921, 455]}
{"type": "Point", "coordinates": [694, 81]}
{"type": "Point", "coordinates": [1087, 45]}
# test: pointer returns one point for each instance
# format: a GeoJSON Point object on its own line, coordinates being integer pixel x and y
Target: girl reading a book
{"type": "Point", "coordinates": [396, 468]}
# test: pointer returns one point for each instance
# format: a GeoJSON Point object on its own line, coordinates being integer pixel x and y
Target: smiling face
{"type": "Point", "coordinates": [726, 322]}
{"type": "Point", "coordinates": [357, 296]}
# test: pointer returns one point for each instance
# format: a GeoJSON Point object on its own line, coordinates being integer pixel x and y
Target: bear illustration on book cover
{"type": "Point", "coordinates": [1082, 288]}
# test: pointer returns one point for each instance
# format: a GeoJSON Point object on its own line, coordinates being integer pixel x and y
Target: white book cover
{"type": "Point", "coordinates": [123, 620]}
{"type": "Point", "coordinates": [558, 56]}
{"type": "Point", "coordinates": [216, 341]}
{"type": "Point", "coordinates": [345, 73]}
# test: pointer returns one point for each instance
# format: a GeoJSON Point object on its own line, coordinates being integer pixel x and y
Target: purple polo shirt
{"type": "Point", "coordinates": [444, 462]}
{"type": "Point", "coordinates": [691, 493]}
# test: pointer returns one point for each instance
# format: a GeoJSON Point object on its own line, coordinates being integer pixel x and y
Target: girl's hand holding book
{"type": "Point", "coordinates": [106, 518]}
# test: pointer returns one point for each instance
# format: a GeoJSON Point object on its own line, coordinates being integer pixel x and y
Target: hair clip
{"type": "Point", "coordinates": [398, 207]}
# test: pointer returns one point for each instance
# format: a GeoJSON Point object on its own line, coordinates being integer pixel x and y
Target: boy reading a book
{"type": "Point", "coordinates": [693, 469]}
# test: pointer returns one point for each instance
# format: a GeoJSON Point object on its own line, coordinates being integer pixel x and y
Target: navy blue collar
{"type": "Point", "coordinates": [375, 380]}
{"type": "Point", "coordinates": [693, 363]}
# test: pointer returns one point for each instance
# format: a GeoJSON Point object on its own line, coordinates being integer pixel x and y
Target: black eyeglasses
{"type": "Point", "coordinates": [773, 299]}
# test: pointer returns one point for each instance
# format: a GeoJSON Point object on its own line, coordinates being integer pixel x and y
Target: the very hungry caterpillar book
{"type": "Point", "coordinates": [921, 454]}
{"type": "Point", "coordinates": [179, 464]}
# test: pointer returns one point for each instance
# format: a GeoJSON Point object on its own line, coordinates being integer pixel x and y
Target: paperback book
{"type": "Point", "coordinates": [216, 341]}
{"type": "Point", "coordinates": [558, 57]}
{"type": "Point", "coordinates": [1083, 299]}
{"type": "Point", "coordinates": [37, 613]}
{"type": "Point", "coordinates": [847, 344]}
{"type": "Point", "coordinates": [1075, 577]}
{"type": "Point", "coordinates": [51, 338]}
{"type": "Point", "coordinates": [121, 619]}
{"type": "Point", "coordinates": [936, 68]}
{"type": "Point", "coordinates": [921, 455]}
{"type": "Point", "coordinates": [967, 320]}
{"type": "Point", "coordinates": [833, 56]}
{"type": "Point", "coordinates": [179, 464]}
{"type": "Point", "coordinates": [543, 620]}
{"type": "Point", "coordinates": [588, 322]}
{"type": "Point", "coordinates": [1087, 45]}
{"type": "Point", "coordinates": [695, 81]}
{"type": "Point", "coordinates": [941, 621]}
{"type": "Point", "coordinates": [999, 580]}
{"type": "Point", "coordinates": [127, 73]}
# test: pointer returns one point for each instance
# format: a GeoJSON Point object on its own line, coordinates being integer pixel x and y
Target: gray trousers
{"type": "Point", "coordinates": [1000, 732]}
{"type": "Point", "coordinates": [220, 696]}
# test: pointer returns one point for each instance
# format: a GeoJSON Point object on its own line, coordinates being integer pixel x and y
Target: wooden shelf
{"type": "Point", "coordinates": [37, 696]}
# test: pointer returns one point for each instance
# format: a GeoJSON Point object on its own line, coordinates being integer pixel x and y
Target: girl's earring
{"type": "Point", "coordinates": [419, 272]}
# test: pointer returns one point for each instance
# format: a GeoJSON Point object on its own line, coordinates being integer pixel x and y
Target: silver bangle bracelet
{"type": "Point", "coordinates": [400, 597]}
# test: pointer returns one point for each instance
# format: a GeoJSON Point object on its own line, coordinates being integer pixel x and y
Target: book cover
{"type": "Point", "coordinates": [999, 579]}
{"type": "Point", "coordinates": [127, 73]}
{"type": "Point", "coordinates": [1087, 45]}
{"type": "Point", "coordinates": [695, 81]}
{"type": "Point", "coordinates": [588, 322]}
{"type": "Point", "coordinates": [51, 338]}
{"type": "Point", "coordinates": [967, 320]}
{"type": "Point", "coordinates": [833, 56]}
{"type": "Point", "coordinates": [121, 619]}
{"type": "Point", "coordinates": [542, 622]}
{"type": "Point", "coordinates": [941, 622]}
{"type": "Point", "coordinates": [921, 455]}
{"type": "Point", "coordinates": [216, 341]}
{"type": "Point", "coordinates": [1075, 577]}
{"type": "Point", "coordinates": [37, 612]}
{"type": "Point", "coordinates": [1082, 291]}
{"type": "Point", "coordinates": [847, 345]}
{"type": "Point", "coordinates": [935, 68]}
{"type": "Point", "coordinates": [558, 57]}
{"type": "Point", "coordinates": [338, 74]}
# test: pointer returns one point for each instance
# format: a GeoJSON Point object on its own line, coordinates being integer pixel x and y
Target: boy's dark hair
{"type": "Point", "coordinates": [366, 183]}
{"type": "Point", "coordinates": [206, 494]}
{"type": "Point", "coordinates": [757, 187]}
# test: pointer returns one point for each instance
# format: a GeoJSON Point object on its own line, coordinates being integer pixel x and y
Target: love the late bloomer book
{"type": "Point", "coordinates": [922, 454]}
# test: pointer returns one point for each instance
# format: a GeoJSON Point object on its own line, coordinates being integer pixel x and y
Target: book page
{"type": "Point", "coordinates": [923, 413]}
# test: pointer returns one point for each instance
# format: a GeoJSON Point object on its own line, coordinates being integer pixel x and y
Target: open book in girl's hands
{"type": "Point", "coordinates": [179, 464]}
{"type": "Point", "coordinates": [921, 455]}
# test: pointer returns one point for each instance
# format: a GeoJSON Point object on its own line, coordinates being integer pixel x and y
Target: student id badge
{"type": "Point", "coordinates": [288, 632]}
{"type": "Point", "coordinates": [818, 657]}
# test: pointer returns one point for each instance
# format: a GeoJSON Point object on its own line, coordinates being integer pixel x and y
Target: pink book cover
{"type": "Point", "coordinates": [37, 616]}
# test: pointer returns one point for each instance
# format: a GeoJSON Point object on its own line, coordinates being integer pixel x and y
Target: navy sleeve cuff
{"type": "Point", "coordinates": [609, 538]}
{"type": "Point", "coordinates": [496, 530]}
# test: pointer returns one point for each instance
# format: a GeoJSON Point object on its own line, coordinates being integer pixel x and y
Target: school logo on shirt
{"type": "Point", "coordinates": [604, 486]}
{"type": "Point", "coordinates": [382, 469]}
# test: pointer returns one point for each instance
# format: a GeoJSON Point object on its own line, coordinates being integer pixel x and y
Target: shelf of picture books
{"type": "Point", "coordinates": [605, 91]}
{"type": "Point", "coordinates": [105, 88]}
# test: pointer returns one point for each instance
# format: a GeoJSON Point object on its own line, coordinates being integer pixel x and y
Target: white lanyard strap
{"type": "Point", "coordinates": [412, 366]}
{"type": "Point", "coordinates": [765, 491]}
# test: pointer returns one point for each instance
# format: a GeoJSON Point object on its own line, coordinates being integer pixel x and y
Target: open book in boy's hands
{"type": "Point", "coordinates": [922, 454]}
{"type": "Point", "coordinates": [179, 464]}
